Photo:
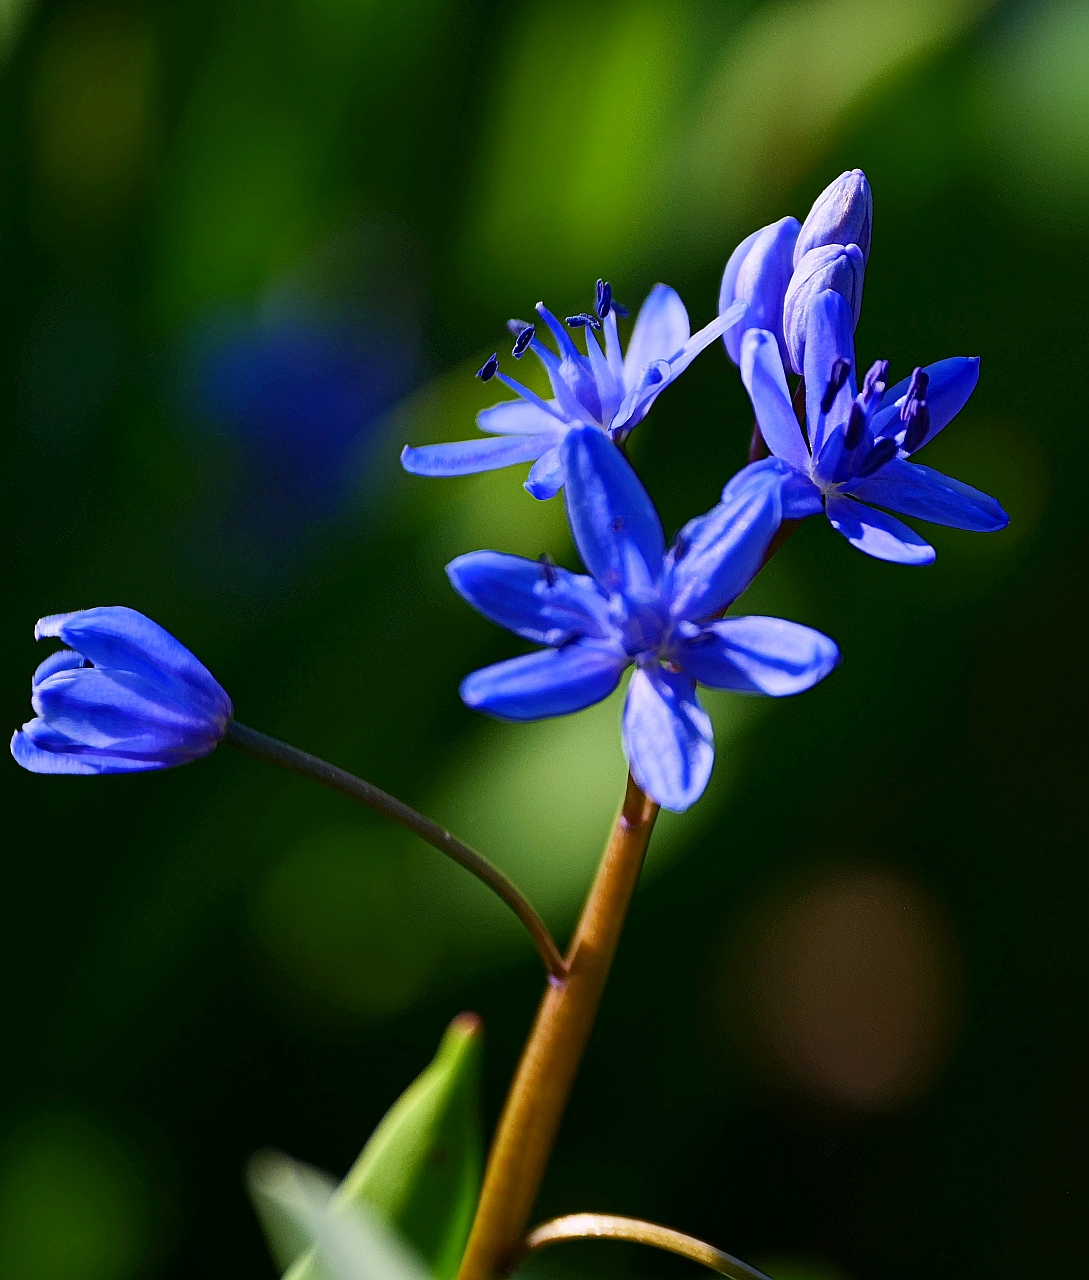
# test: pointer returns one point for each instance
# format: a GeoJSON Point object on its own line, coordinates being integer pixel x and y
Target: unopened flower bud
{"type": "Point", "coordinates": [841, 214]}
{"type": "Point", "coordinates": [758, 273]}
{"type": "Point", "coordinates": [833, 266]}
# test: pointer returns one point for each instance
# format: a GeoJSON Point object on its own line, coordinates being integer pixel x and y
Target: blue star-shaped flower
{"type": "Point", "coordinates": [859, 442]}
{"type": "Point", "coordinates": [610, 390]}
{"type": "Point", "coordinates": [124, 698]}
{"type": "Point", "coordinates": [641, 604]}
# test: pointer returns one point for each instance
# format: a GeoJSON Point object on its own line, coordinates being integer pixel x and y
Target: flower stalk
{"type": "Point", "coordinates": [308, 766]}
{"type": "Point", "coordinates": [605, 1226]}
{"type": "Point", "coordinates": [546, 1073]}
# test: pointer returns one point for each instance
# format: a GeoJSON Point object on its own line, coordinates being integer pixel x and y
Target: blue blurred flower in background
{"type": "Point", "coordinates": [124, 697]}
{"type": "Point", "coordinates": [645, 605]}
{"type": "Point", "coordinates": [860, 441]}
{"type": "Point", "coordinates": [612, 391]}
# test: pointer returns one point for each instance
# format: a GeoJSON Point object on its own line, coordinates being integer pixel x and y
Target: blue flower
{"type": "Point", "coordinates": [777, 269]}
{"type": "Point", "coordinates": [123, 698]}
{"type": "Point", "coordinates": [609, 390]}
{"type": "Point", "coordinates": [641, 604]}
{"type": "Point", "coordinates": [859, 442]}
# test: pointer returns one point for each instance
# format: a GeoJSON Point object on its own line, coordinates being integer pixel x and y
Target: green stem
{"type": "Point", "coordinates": [308, 766]}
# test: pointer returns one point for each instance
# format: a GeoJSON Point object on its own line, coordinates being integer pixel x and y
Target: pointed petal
{"type": "Point", "coordinates": [919, 491]}
{"type": "Point", "coordinates": [550, 682]}
{"type": "Point", "coordinates": [759, 655]}
{"type": "Point", "coordinates": [877, 534]}
{"type": "Point", "coordinates": [115, 710]}
{"type": "Point", "coordinates": [613, 353]}
{"type": "Point", "coordinates": [612, 518]}
{"type": "Point", "coordinates": [467, 457]}
{"type": "Point", "coordinates": [37, 759]}
{"type": "Point", "coordinates": [830, 337]}
{"type": "Point", "coordinates": [952, 382]}
{"type": "Point", "coordinates": [661, 330]}
{"type": "Point", "coordinates": [518, 418]}
{"type": "Point", "coordinates": [667, 738]}
{"type": "Point", "coordinates": [545, 477]}
{"type": "Point", "coordinates": [835, 267]}
{"type": "Point", "coordinates": [799, 495]}
{"type": "Point", "coordinates": [62, 660]}
{"type": "Point", "coordinates": [721, 552]}
{"type": "Point", "coordinates": [764, 379]}
{"type": "Point", "coordinates": [758, 274]}
{"type": "Point", "coordinates": [123, 639]}
{"type": "Point", "coordinates": [542, 603]}
{"type": "Point", "coordinates": [609, 391]}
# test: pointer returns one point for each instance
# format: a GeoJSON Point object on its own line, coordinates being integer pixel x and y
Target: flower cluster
{"type": "Point", "coordinates": [126, 696]}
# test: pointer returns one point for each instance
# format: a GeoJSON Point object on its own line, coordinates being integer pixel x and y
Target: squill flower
{"type": "Point", "coordinates": [858, 442]}
{"type": "Point", "coordinates": [611, 390]}
{"type": "Point", "coordinates": [640, 604]}
{"type": "Point", "coordinates": [124, 697]}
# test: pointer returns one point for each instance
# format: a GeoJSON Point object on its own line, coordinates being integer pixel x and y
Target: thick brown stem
{"type": "Point", "coordinates": [550, 1061]}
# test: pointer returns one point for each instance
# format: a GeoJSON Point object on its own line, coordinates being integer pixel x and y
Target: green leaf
{"type": "Point", "coordinates": [421, 1170]}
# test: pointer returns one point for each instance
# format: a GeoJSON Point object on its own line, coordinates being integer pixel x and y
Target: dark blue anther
{"type": "Point", "coordinates": [840, 369]}
{"type": "Point", "coordinates": [918, 425]}
{"type": "Point", "coordinates": [680, 548]}
{"type": "Point", "coordinates": [489, 368]}
{"type": "Point", "coordinates": [604, 298]}
{"type": "Point", "coordinates": [882, 452]}
{"type": "Point", "coordinates": [548, 568]}
{"type": "Point", "coordinates": [522, 341]}
{"type": "Point", "coordinates": [856, 423]}
{"type": "Point", "coordinates": [917, 389]}
{"type": "Point", "coordinates": [875, 380]}
{"type": "Point", "coordinates": [583, 318]}
{"type": "Point", "coordinates": [618, 524]}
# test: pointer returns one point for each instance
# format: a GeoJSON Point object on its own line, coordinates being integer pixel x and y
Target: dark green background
{"type": "Point", "coordinates": [207, 961]}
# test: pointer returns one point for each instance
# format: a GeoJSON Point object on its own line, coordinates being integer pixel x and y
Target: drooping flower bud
{"type": "Point", "coordinates": [833, 266]}
{"type": "Point", "coordinates": [758, 273]}
{"type": "Point", "coordinates": [124, 697]}
{"type": "Point", "coordinates": [841, 214]}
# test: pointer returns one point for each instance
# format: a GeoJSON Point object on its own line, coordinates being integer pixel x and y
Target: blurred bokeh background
{"type": "Point", "coordinates": [251, 249]}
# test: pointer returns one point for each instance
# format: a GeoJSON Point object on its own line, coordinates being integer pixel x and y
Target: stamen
{"type": "Point", "coordinates": [489, 368]}
{"type": "Point", "coordinates": [620, 312]}
{"type": "Point", "coordinates": [875, 380]}
{"type": "Point", "coordinates": [516, 326]}
{"type": "Point", "coordinates": [917, 389]}
{"type": "Point", "coordinates": [583, 318]}
{"type": "Point", "coordinates": [840, 369]}
{"type": "Point", "coordinates": [522, 341]}
{"type": "Point", "coordinates": [680, 548]}
{"type": "Point", "coordinates": [548, 568]}
{"type": "Point", "coordinates": [918, 424]}
{"type": "Point", "coordinates": [852, 437]}
{"type": "Point", "coordinates": [604, 298]}
{"type": "Point", "coordinates": [618, 524]}
{"type": "Point", "coordinates": [881, 453]}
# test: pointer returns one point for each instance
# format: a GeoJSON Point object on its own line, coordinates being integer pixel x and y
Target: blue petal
{"type": "Point", "coordinates": [799, 495]}
{"type": "Point", "coordinates": [543, 603]}
{"type": "Point", "coordinates": [831, 337]}
{"type": "Point", "coordinates": [518, 418]}
{"type": "Point", "coordinates": [545, 477]}
{"type": "Point", "coordinates": [613, 521]}
{"type": "Point", "coordinates": [467, 457]}
{"type": "Point", "coordinates": [918, 491]}
{"type": "Point", "coordinates": [758, 273]}
{"type": "Point", "coordinates": [835, 267]}
{"type": "Point", "coordinates": [841, 214]}
{"type": "Point", "coordinates": [952, 382]}
{"type": "Point", "coordinates": [550, 682]}
{"type": "Point", "coordinates": [716, 556]}
{"type": "Point", "coordinates": [661, 330]}
{"type": "Point", "coordinates": [764, 379]}
{"type": "Point", "coordinates": [759, 655]}
{"type": "Point", "coordinates": [879, 535]}
{"type": "Point", "coordinates": [62, 660]}
{"type": "Point", "coordinates": [667, 738]}
{"type": "Point", "coordinates": [122, 639]}
{"type": "Point", "coordinates": [125, 713]}
{"type": "Point", "coordinates": [38, 759]}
